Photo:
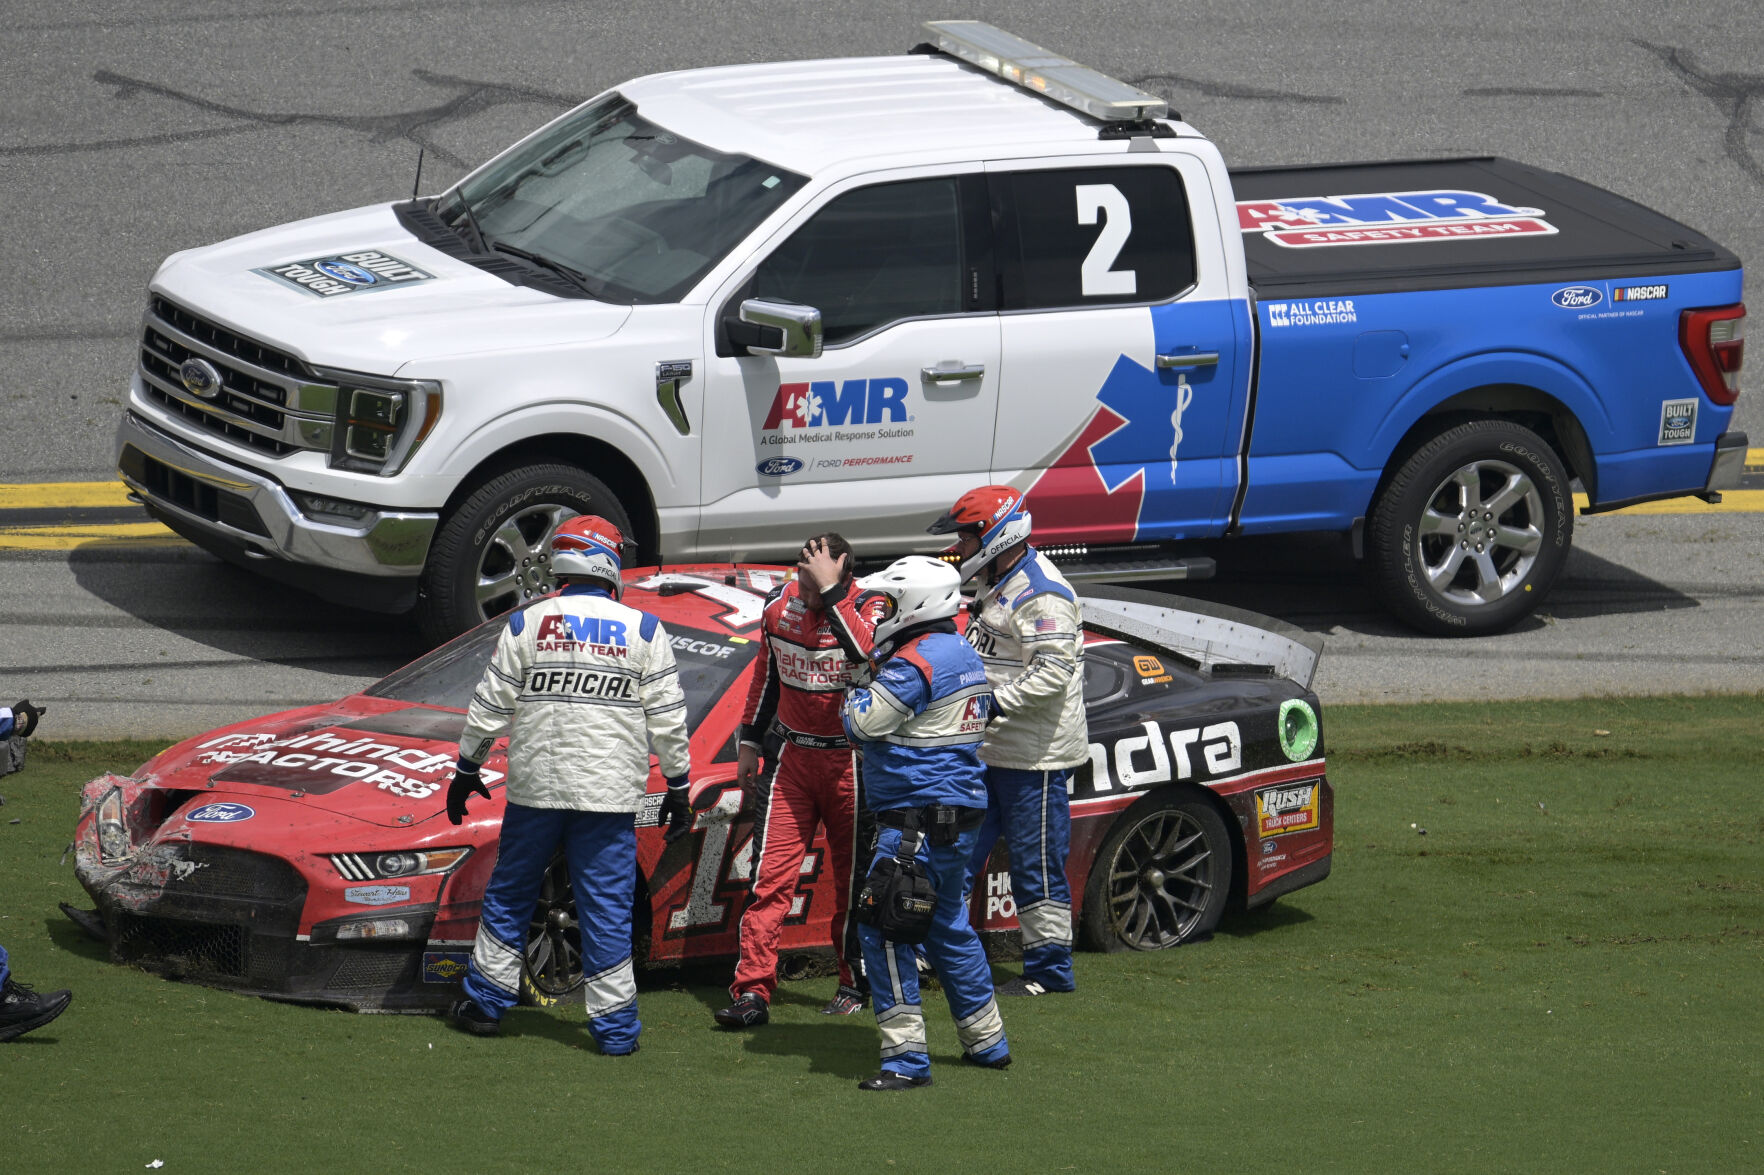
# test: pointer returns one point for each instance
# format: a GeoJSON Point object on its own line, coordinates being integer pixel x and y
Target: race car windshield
{"type": "Point", "coordinates": [447, 676]}
{"type": "Point", "coordinates": [628, 210]}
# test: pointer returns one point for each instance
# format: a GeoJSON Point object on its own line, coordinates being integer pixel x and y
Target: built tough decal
{"type": "Point", "coordinates": [1678, 422]}
{"type": "Point", "coordinates": [346, 273]}
{"type": "Point", "coordinates": [1387, 218]}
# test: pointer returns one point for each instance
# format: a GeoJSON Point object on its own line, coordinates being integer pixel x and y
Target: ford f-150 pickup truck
{"type": "Point", "coordinates": [729, 307]}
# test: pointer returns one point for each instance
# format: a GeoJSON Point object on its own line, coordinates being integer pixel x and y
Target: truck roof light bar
{"type": "Point", "coordinates": [1027, 64]}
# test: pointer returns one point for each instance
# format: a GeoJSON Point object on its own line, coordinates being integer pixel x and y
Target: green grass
{"type": "Point", "coordinates": [1564, 974]}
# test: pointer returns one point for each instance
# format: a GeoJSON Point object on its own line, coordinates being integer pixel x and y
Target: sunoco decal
{"type": "Point", "coordinates": [346, 273]}
{"type": "Point", "coordinates": [1388, 218]}
{"type": "Point", "coordinates": [1280, 810]}
{"type": "Point", "coordinates": [1678, 422]}
{"type": "Point", "coordinates": [444, 966]}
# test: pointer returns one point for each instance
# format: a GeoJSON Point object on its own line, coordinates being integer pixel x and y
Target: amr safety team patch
{"type": "Point", "coordinates": [346, 273]}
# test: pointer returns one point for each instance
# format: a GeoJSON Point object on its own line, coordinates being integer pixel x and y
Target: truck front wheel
{"type": "Point", "coordinates": [1472, 530]}
{"type": "Point", "coordinates": [491, 553]}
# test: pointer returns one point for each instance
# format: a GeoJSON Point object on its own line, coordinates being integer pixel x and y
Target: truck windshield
{"type": "Point", "coordinates": [632, 211]}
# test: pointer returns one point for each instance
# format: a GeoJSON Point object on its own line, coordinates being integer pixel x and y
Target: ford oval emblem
{"type": "Point", "coordinates": [200, 378]}
{"type": "Point", "coordinates": [221, 814]}
{"type": "Point", "coordinates": [778, 466]}
{"type": "Point", "coordinates": [1577, 297]}
{"type": "Point", "coordinates": [355, 275]}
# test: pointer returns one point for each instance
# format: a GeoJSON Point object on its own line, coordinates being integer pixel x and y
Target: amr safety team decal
{"type": "Point", "coordinates": [843, 413]}
{"type": "Point", "coordinates": [337, 274]}
{"type": "Point", "coordinates": [411, 772]}
{"type": "Point", "coordinates": [1388, 218]}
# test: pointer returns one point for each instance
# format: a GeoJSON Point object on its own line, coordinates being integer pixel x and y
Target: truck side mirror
{"type": "Point", "coordinates": [798, 328]}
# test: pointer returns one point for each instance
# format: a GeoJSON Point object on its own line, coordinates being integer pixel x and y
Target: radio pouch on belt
{"type": "Point", "coordinates": [898, 898]}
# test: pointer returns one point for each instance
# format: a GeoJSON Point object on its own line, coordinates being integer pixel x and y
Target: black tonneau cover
{"type": "Point", "coordinates": [1404, 227]}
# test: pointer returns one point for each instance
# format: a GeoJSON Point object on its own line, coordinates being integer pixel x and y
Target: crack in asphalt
{"type": "Point", "coordinates": [1734, 94]}
{"type": "Point", "coordinates": [1529, 92]}
{"type": "Point", "coordinates": [415, 127]}
{"type": "Point", "coordinates": [1162, 84]}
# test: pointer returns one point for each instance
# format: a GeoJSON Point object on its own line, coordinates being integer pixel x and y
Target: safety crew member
{"type": "Point", "coordinates": [1026, 627]}
{"type": "Point", "coordinates": [814, 629]}
{"type": "Point", "coordinates": [921, 721]}
{"type": "Point", "coordinates": [22, 1009]}
{"type": "Point", "coordinates": [587, 685]}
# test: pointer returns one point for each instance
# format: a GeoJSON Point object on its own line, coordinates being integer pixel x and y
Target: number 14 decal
{"type": "Point", "coordinates": [1097, 274]}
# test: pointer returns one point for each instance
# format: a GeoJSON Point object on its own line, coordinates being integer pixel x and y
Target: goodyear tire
{"type": "Point", "coordinates": [551, 966]}
{"type": "Point", "coordinates": [490, 553]}
{"type": "Point", "coordinates": [1162, 877]}
{"type": "Point", "coordinates": [1470, 533]}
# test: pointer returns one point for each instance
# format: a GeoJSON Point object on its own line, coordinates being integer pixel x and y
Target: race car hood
{"type": "Point", "coordinates": [402, 299]}
{"type": "Point", "coordinates": [385, 763]}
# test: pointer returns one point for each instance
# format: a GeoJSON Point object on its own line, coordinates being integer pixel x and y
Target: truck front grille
{"type": "Point", "coordinates": [268, 400]}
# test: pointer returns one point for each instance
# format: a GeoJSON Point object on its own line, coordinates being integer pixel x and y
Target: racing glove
{"type": "Point", "coordinates": [675, 818]}
{"type": "Point", "coordinates": [464, 784]}
{"type": "Point", "coordinates": [24, 717]}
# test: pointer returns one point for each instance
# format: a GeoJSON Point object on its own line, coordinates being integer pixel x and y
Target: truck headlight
{"type": "Point", "coordinates": [381, 422]}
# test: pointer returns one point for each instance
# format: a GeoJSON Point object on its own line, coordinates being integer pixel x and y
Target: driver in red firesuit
{"type": "Point", "coordinates": [816, 631]}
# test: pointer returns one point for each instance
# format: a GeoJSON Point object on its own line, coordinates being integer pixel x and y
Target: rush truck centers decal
{"type": "Point", "coordinates": [1387, 218]}
{"type": "Point", "coordinates": [1280, 810]}
{"type": "Point", "coordinates": [346, 273]}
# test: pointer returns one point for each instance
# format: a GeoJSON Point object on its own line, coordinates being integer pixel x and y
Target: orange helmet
{"type": "Point", "coordinates": [992, 514]}
{"type": "Point", "coordinates": [588, 547]}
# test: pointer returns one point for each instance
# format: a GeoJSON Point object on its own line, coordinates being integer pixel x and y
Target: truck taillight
{"type": "Point", "coordinates": [1712, 341]}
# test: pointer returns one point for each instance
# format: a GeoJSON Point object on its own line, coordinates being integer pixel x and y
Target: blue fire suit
{"type": "Point", "coordinates": [5, 970]}
{"type": "Point", "coordinates": [920, 723]}
{"type": "Point", "coordinates": [587, 685]}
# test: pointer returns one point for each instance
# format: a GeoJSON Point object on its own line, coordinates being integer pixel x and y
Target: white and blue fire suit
{"type": "Point", "coordinates": [920, 723]}
{"type": "Point", "coordinates": [588, 686]}
{"type": "Point", "coordinates": [1028, 631]}
{"type": "Point", "coordinates": [5, 968]}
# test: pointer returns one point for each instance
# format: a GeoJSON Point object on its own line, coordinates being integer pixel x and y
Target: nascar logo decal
{"type": "Point", "coordinates": [1387, 218]}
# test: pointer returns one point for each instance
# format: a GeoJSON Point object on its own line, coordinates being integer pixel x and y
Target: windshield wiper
{"type": "Point", "coordinates": [579, 280]}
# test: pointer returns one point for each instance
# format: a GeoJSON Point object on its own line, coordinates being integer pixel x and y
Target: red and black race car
{"type": "Point", "coordinates": [305, 855]}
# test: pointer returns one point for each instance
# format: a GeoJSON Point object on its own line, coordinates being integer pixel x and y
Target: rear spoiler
{"type": "Point", "coordinates": [1214, 638]}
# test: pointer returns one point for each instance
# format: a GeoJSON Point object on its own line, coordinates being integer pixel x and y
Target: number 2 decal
{"type": "Point", "coordinates": [1097, 274]}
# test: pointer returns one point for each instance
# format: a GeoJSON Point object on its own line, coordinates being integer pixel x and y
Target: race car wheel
{"type": "Point", "coordinates": [1161, 878]}
{"type": "Point", "coordinates": [1472, 530]}
{"type": "Point", "coordinates": [490, 554]}
{"type": "Point", "coordinates": [552, 965]}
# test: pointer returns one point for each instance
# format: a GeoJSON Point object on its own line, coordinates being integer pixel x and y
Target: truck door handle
{"type": "Point", "coordinates": [951, 372]}
{"type": "Point", "coordinates": [1187, 359]}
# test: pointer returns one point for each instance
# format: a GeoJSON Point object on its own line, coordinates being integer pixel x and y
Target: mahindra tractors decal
{"type": "Point", "coordinates": [1387, 218]}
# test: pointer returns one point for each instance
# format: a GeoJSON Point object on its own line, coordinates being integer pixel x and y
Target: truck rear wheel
{"type": "Point", "coordinates": [1471, 532]}
{"type": "Point", "coordinates": [490, 553]}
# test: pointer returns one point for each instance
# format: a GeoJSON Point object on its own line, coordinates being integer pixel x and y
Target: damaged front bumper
{"type": "Point", "coordinates": [228, 917]}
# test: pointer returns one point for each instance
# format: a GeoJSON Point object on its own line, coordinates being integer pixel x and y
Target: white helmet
{"type": "Point", "coordinates": [920, 587]}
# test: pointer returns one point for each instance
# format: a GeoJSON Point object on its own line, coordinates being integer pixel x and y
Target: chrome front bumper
{"type": "Point", "coordinates": [246, 511]}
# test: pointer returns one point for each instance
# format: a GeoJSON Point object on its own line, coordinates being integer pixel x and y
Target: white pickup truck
{"type": "Point", "coordinates": [729, 307]}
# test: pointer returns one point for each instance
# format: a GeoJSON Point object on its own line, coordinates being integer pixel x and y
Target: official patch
{"type": "Point", "coordinates": [1678, 422]}
{"type": "Point", "coordinates": [346, 273]}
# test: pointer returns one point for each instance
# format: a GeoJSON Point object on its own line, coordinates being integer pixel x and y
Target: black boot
{"type": "Point", "coordinates": [748, 1011]}
{"type": "Point", "coordinates": [22, 1009]}
{"type": "Point", "coordinates": [470, 1016]}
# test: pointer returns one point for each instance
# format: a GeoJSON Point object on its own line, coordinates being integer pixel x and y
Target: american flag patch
{"type": "Point", "coordinates": [1046, 625]}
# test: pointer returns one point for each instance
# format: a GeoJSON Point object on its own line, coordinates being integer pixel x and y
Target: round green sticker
{"type": "Point", "coordinates": [1298, 729]}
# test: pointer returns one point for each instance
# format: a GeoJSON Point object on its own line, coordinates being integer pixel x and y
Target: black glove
{"type": "Point", "coordinates": [24, 718]}
{"type": "Point", "coordinates": [464, 784]}
{"type": "Point", "coordinates": [675, 818]}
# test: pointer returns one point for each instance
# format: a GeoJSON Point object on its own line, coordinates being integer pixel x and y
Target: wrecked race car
{"type": "Point", "coordinates": [305, 856]}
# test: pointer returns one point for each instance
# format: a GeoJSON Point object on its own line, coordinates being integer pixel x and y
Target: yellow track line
{"type": "Point", "coordinates": [66, 538]}
{"type": "Point", "coordinates": [63, 494]}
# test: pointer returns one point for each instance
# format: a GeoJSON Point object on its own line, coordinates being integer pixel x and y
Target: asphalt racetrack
{"type": "Point", "coordinates": [136, 130]}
